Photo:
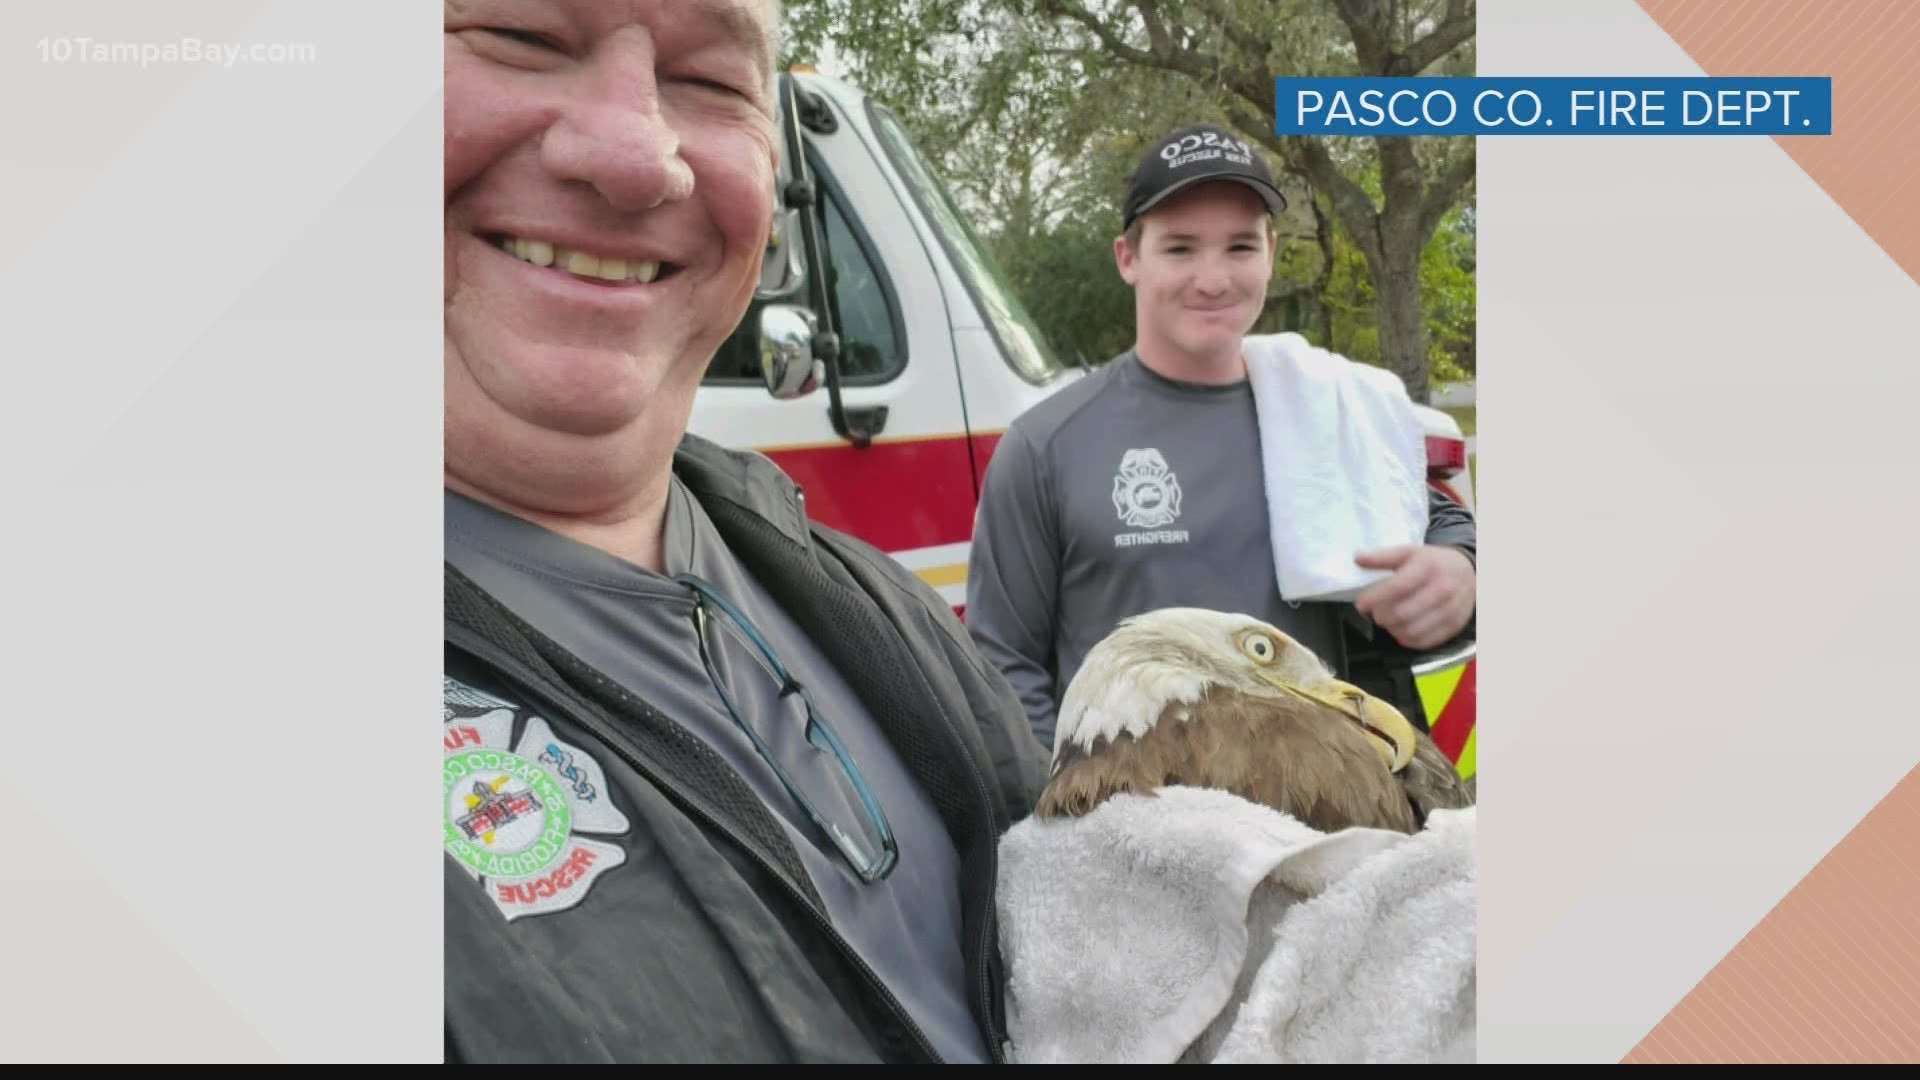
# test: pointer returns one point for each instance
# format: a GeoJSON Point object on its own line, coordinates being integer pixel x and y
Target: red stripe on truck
{"type": "Point", "coordinates": [1455, 722]}
{"type": "Point", "coordinates": [895, 495]}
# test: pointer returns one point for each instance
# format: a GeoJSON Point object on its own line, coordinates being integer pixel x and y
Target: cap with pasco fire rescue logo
{"type": "Point", "coordinates": [1193, 155]}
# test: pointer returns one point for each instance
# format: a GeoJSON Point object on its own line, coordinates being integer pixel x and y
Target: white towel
{"type": "Point", "coordinates": [1345, 462]}
{"type": "Point", "coordinates": [1196, 926]}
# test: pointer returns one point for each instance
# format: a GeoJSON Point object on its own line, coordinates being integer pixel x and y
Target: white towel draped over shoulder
{"type": "Point", "coordinates": [1345, 463]}
{"type": "Point", "coordinates": [1196, 926]}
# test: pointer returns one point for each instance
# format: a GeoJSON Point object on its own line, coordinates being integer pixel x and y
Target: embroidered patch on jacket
{"type": "Point", "coordinates": [519, 816]}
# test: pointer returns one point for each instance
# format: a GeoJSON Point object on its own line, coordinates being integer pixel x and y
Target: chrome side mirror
{"type": "Point", "coordinates": [787, 364]}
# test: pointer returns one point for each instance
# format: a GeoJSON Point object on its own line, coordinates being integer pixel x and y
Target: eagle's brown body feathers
{"type": "Point", "coordinates": [1287, 754]}
{"type": "Point", "coordinates": [1432, 782]}
{"type": "Point", "coordinates": [1305, 754]}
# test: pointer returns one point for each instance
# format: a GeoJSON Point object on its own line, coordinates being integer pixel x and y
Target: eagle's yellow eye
{"type": "Point", "coordinates": [1260, 647]}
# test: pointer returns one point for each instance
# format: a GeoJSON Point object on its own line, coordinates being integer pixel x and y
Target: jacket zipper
{"type": "Point", "coordinates": [618, 744]}
{"type": "Point", "coordinates": [983, 985]}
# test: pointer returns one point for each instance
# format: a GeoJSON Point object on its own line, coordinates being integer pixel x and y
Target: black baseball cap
{"type": "Point", "coordinates": [1193, 155]}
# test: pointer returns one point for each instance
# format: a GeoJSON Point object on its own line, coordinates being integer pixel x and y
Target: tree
{"type": "Point", "coordinates": [1231, 45]}
{"type": "Point", "coordinates": [1002, 92]}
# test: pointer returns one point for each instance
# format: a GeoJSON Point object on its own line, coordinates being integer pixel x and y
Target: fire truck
{"type": "Point", "coordinates": [885, 354]}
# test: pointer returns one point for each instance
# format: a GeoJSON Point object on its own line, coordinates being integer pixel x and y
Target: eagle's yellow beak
{"type": "Point", "coordinates": [1391, 732]}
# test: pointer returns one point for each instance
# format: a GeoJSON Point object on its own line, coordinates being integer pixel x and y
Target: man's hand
{"type": "Point", "coordinates": [1428, 599]}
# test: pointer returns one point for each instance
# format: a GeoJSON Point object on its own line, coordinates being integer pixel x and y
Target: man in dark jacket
{"type": "Point", "coordinates": [719, 783]}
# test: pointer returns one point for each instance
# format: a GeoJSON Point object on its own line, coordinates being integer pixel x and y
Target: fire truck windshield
{"type": "Point", "coordinates": [1021, 341]}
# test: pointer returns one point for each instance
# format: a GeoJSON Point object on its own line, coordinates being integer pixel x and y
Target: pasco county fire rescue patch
{"type": "Point", "coordinates": [519, 815]}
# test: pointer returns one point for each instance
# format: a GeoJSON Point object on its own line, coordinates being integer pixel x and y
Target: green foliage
{"type": "Point", "coordinates": [1067, 279]}
{"type": "Point", "coordinates": [1034, 118]}
{"type": "Point", "coordinates": [1447, 279]}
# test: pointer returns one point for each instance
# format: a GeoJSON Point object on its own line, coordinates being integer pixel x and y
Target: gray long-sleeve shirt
{"type": "Point", "coordinates": [1123, 493]}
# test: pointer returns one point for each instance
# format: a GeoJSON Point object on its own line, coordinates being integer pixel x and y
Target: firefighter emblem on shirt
{"type": "Point", "coordinates": [1145, 492]}
{"type": "Point", "coordinates": [520, 816]}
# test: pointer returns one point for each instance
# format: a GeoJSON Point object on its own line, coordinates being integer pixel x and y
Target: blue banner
{"type": "Point", "coordinates": [1554, 106]}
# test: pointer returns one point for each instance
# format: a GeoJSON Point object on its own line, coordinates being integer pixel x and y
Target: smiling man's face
{"type": "Point", "coordinates": [1199, 273]}
{"type": "Point", "coordinates": [609, 192]}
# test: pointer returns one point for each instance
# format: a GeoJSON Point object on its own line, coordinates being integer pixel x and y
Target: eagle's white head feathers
{"type": "Point", "coordinates": [1173, 655]}
{"type": "Point", "coordinates": [1170, 655]}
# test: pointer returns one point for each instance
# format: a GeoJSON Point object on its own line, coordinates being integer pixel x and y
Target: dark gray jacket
{"type": "Point", "coordinates": [708, 941]}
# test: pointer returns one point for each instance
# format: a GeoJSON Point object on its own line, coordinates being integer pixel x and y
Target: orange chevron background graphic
{"type": "Point", "coordinates": [1832, 973]}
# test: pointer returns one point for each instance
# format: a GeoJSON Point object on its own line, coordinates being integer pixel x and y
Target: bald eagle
{"type": "Point", "coordinates": [1218, 700]}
